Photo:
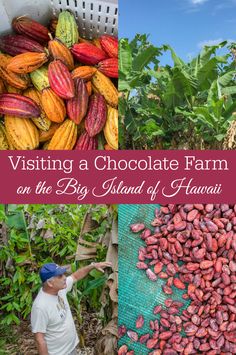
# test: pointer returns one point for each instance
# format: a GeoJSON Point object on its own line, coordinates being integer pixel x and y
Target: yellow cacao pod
{"type": "Point", "coordinates": [110, 129]}
{"type": "Point", "coordinates": [42, 122]}
{"type": "Point", "coordinates": [4, 145]}
{"type": "Point", "coordinates": [65, 136]}
{"type": "Point", "coordinates": [104, 86]}
{"type": "Point", "coordinates": [22, 133]}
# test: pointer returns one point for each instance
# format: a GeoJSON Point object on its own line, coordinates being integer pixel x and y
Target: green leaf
{"type": "Point", "coordinates": [144, 58]}
{"type": "Point", "coordinates": [125, 57]}
{"type": "Point", "coordinates": [226, 78]}
{"type": "Point", "coordinates": [92, 285]}
{"type": "Point", "coordinates": [230, 90]}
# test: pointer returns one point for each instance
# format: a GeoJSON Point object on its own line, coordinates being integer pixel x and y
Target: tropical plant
{"type": "Point", "coordinates": [31, 235]}
{"type": "Point", "coordinates": [187, 105]}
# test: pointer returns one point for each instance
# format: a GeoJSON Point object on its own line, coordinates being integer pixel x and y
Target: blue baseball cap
{"type": "Point", "coordinates": [50, 270]}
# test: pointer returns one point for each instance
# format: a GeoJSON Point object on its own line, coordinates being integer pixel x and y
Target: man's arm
{"type": "Point", "coordinates": [84, 271]}
{"type": "Point", "coordinates": [41, 344]}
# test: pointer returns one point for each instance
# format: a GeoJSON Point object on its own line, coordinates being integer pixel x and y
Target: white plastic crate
{"type": "Point", "coordinates": [94, 17]}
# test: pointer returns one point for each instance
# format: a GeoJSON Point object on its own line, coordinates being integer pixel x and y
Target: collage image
{"type": "Point", "coordinates": [107, 76]}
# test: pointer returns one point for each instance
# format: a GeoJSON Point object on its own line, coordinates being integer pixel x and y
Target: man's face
{"type": "Point", "coordinates": [58, 282]}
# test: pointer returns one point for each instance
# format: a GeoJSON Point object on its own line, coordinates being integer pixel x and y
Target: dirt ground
{"type": "Point", "coordinates": [25, 345]}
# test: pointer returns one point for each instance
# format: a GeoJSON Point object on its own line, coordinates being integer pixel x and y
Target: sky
{"type": "Point", "coordinates": [184, 24]}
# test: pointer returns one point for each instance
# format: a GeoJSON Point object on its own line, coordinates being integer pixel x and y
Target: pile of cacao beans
{"type": "Point", "coordinates": [57, 90]}
{"type": "Point", "coordinates": [192, 248]}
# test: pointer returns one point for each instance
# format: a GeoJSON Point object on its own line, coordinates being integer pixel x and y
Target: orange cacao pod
{"type": "Point", "coordinates": [58, 50]}
{"type": "Point", "coordinates": [18, 105]}
{"type": "Point", "coordinates": [2, 87]}
{"type": "Point", "coordinates": [109, 45]}
{"type": "Point", "coordinates": [26, 62]}
{"type": "Point", "coordinates": [87, 53]}
{"type": "Point", "coordinates": [22, 133]}
{"type": "Point", "coordinates": [109, 67]}
{"type": "Point", "coordinates": [86, 143]}
{"type": "Point", "coordinates": [45, 136]}
{"type": "Point", "coordinates": [65, 136]}
{"type": "Point", "coordinates": [96, 116]}
{"type": "Point", "coordinates": [89, 88]}
{"type": "Point", "coordinates": [30, 28]}
{"type": "Point", "coordinates": [108, 147]}
{"type": "Point", "coordinates": [53, 106]}
{"type": "Point", "coordinates": [16, 80]}
{"type": "Point", "coordinates": [84, 72]}
{"type": "Point", "coordinates": [60, 80]}
{"type": "Point", "coordinates": [78, 105]}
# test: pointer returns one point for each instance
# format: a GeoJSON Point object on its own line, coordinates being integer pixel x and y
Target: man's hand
{"type": "Point", "coordinates": [84, 271]}
{"type": "Point", "coordinates": [101, 266]}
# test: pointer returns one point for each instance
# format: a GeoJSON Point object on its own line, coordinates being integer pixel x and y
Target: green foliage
{"type": "Point", "coordinates": [37, 234]}
{"type": "Point", "coordinates": [187, 105]}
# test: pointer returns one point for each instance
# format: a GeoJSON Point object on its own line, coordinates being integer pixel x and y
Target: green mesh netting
{"type": "Point", "coordinates": [137, 294]}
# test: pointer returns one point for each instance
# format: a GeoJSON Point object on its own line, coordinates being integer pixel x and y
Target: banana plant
{"type": "Point", "coordinates": [186, 105]}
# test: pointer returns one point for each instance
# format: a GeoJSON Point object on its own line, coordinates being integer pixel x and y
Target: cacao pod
{"type": "Point", "coordinates": [17, 44]}
{"type": "Point", "coordinates": [84, 72]}
{"type": "Point", "coordinates": [45, 136]}
{"type": "Point", "coordinates": [109, 45]}
{"type": "Point", "coordinates": [53, 106]}
{"type": "Point", "coordinates": [97, 43]}
{"type": "Point", "coordinates": [16, 80]}
{"type": "Point", "coordinates": [12, 90]}
{"type": "Point", "coordinates": [107, 147]}
{"type": "Point", "coordinates": [86, 143]}
{"type": "Point", "coordinates": [60, 80]}
{"type": "Point", "coordinates": [109, 67]}
{"type": "Point", "coordinates": [89, 88]}
{"type": "Point", "coordinates": [65, 136]}
{"type": "Point", "coordinates": [26, 62]}
{"type": "Point", "coordinates": [83, 40]}
{"type": "Point", "coordinates": [4, 145]}
{"type": "Point", "coordinates": [18, 105]}
{"type": "Point", "coordinates": [30, 28]}
{"type": "Point", "coordinates": [96, 116]}
{"type": "Point", "coordinates": [78, 105]}
{"type": "Point", "coordinates": [40, 79]}
{"type": "Point", "coordinates": [2, 87]}
{"type": "Point", "coordinates": [53, 25]}
{"type": "Point", "coordinates": [111, 128]}
{"type": "Point", "coordinates": [42, 122]}
{"type": "Point", "coordinates": [87, 53]}
{"type": "Point", "coordinates": [105, 87]}
{"type": "Point", "coordinates": [67, 30]}
{"type": "Point", "coordinates": [22, 132]}
{"type": "Point", "coordinates": [58, 50]}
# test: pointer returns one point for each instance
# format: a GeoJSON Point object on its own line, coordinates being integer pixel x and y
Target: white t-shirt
{"type": "Point", "coordinates": [52, 316]}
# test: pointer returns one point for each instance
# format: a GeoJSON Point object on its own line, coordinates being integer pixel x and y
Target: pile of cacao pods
{"type": "Point", "coordinates": [57, 90]}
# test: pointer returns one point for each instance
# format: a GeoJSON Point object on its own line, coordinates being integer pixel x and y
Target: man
{"type": "Point", "coordinates": [51, 318]}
